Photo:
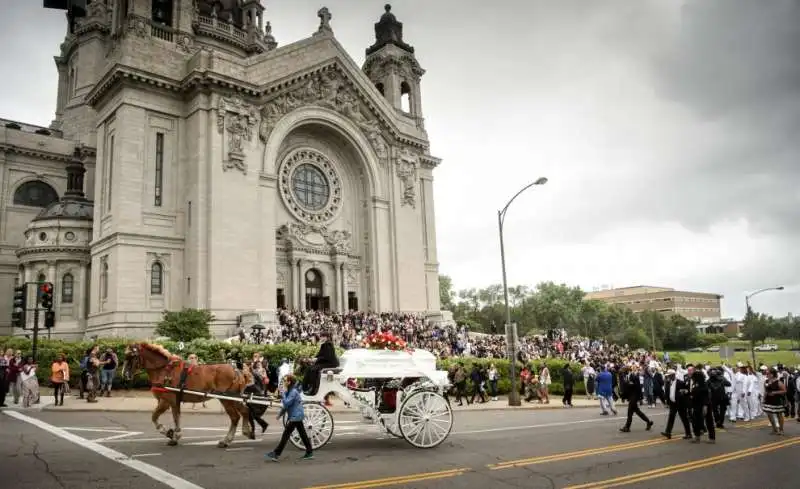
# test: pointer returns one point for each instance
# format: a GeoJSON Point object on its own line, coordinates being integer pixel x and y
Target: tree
{"type": "Point", "coordinates": [446, 292]}
{"type": "Point", "coordinates": [185, 325]}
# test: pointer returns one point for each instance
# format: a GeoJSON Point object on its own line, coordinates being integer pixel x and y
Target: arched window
{"type": "Point", "coordinates": [35, 193]}
{"type": "Point", "coordinates": [67, 288]}
{"type": "Point", "coordinates": [156, 279]}
{"type": "Point", "coordinates": [104, 281]}
{"type": "Point", "coordinates": [405, 97]}
{"type": "Point", "coordinates": [162, 12]}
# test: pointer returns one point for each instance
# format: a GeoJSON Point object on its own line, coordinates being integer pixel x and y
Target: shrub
{"type": "Point", "coordinates": [185, 325]}
{"type": "Point", "coordinates": [208, 351]}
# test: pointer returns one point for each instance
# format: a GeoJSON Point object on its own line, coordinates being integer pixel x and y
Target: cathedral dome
{"type": "Point", "coordinates": [68, 209]}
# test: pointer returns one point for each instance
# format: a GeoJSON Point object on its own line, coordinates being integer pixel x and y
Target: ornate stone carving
{"type": "Point", "coordinates": [239, 119]}
{"type": "Point", "coordinates": [407, 164]}
{"type": "Point", "coordinates": [185, 43]}
{"type": "Point", "coordinates": [97, 11]}
{"type": "Point", "coordinates": [316, 237]}
{"type": "Point", "coordinates": [286, 173]}
{"type": "Point", "coordinates": [281, 277]}
{"type": "Point", "coordinates": [351, 277]}
{"type": "Point", "coordinates": [162, 258]}
{"type": "Point", "coordinates": [327, 89]}
{"type": "Point", "coordinates": [137, 26]}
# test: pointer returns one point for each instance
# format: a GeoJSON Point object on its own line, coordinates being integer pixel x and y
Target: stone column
{"type": "Point", "coordinates": [51, 273]}
{"type": "Point", "coordinates": [83, 275]}
{"type": "Point", "coordinates": [301, 304]}
{"type": "Point", "coordinates": [343, 274]}
{"type": "Point", "coordinates": [380, 283]}
{"type": "Point", "coordinates": [292, 284]}
{"type": "Point", "coordinates": [261, 22]}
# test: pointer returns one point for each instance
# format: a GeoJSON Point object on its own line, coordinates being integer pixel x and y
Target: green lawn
{"type": "Point", "coordinates": [768, 358]}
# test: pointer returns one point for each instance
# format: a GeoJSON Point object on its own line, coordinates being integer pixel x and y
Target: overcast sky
{"type": "Point", "coordinates": [669, 133]}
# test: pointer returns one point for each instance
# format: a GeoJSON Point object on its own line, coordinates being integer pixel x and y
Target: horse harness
{"type": "Point", "coordinates": [176, 364]}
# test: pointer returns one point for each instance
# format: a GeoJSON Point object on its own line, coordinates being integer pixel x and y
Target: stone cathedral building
{"type": "Point", "coordinates": [194, 163]}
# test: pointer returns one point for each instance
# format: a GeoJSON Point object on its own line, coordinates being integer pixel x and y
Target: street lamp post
{"type": "Point", "coordinates": [749, 316]}
{"type": "Point", "coordinates": [513, 396]}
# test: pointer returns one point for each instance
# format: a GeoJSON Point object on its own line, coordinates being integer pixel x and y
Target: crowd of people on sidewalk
{"type": "Point", "coordinates": [18, 377]}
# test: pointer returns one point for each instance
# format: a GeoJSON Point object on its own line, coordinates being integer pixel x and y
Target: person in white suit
{"type": "Point", "coordinates": [762, 377]}
{"type": "Point", "coordinates": [753, 390]}
{"type": "Point", "coordinates": [739, 394]}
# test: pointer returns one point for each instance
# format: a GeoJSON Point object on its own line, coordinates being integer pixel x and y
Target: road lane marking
{"type": "Point", "coordinates": [393, 481]}
{"type": "Point", "coordinates": [151, 471]}
{"type": "Point", "coordinates": [239, 449]}
{"type": "Point", "coordinates": [117, 437]}
{"type": "Point", "coordinates": [686, 467]}
{"type": "Point", "coordinates": [139, 455]}
{"type": "Point", "coordinates": [545, 425]}
{"type": "Point", "coordinates": [755, 424]}
{"type": "Point", "coordinates": [579, 454]}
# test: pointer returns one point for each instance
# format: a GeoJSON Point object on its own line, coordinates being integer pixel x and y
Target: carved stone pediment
{"type": "Point", "coordinates": [332, 90]}
{"type": "Point", "coordinates": [239, 120]}
{"type": "Point", "coordinates": [301, 235]}
{"type": "Point", "coordinates": [407, 163]}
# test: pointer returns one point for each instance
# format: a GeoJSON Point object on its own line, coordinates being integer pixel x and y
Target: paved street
{"type": "Point", "coordinates": [576, 449]}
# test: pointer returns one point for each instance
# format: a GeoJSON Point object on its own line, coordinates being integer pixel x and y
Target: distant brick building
{"type": "Point", "coordinates": [697, 306]}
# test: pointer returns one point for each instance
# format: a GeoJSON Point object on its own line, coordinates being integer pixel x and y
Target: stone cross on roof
{"type": "Point", "coordinates": [324, 20]}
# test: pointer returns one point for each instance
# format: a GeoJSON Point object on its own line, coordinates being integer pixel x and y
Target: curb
{"type": "Point", "coordinates": [335, 410]}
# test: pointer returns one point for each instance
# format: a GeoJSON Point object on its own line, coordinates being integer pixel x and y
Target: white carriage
{"type": "Point", "coordinates": [402, 392]}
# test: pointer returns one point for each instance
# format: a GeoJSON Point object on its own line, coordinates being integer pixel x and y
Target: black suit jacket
{"type": "Point", "coordinates": [681, 392]}
{"type": "Point", "coordinates": [327, 356]}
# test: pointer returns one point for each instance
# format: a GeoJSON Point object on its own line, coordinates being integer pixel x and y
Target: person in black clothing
{"type": "Point", "coordinates": [477, 378]}
{"type": "Point", "coordinates": [326, 358]}
{"type": "Point", "coordinates": [677, 398]}
{"type": "Point", "coordinates": [632, 392]}
{"type": "Point", "coordinates": [702, 416]}
{"type": "Point", "coordinates": [719, 399]}
{"type": "Point", "coordinates": [569, 384]}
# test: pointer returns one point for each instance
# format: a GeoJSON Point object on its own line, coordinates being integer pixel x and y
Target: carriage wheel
{"type": "Point", "coordinates": [319, 426]}
{"type": "Point", "coordinates": [425, 419]}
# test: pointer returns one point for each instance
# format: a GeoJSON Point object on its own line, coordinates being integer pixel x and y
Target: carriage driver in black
{"type": "Point", "coordinates": [326, 359]}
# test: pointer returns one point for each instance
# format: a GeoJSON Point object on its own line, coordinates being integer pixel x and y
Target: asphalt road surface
{"type": "Point", "coordinates": [576, 449]}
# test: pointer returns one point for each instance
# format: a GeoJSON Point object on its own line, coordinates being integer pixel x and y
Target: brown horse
{"type": "Point", "coordinates": [167, 370]}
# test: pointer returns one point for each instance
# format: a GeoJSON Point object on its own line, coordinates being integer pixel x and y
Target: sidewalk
{"type": "Point", "coordinates": [142, 401]}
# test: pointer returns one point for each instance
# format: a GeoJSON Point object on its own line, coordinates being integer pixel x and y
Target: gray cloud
{"type": "Point", "coordinates": [641, 113]}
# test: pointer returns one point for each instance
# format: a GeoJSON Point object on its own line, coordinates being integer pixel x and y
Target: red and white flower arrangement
{"type": "Point", "coordinates": [385, 341]}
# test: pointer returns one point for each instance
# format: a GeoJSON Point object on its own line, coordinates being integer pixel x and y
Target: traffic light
{"type": "Point", "coordinates": [46, 295]}
{"type": "Point", "coordinates": [18, 309]}
{"type": "Point", "coordinates": [49, 319]}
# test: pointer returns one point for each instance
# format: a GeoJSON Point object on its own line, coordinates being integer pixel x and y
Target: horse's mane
{"type": "Point", "coordinates": [158, 349]}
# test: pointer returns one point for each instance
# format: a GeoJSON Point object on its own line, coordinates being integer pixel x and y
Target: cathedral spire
{"type": "Point", "coordinates": [389, 30]}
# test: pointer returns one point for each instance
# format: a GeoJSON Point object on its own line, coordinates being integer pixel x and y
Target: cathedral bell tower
{"type": "Point", "coordinates": [393, 68]}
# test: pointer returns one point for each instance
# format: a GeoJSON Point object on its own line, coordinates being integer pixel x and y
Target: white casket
{"type": "Point", "coordinates": [385, 364]}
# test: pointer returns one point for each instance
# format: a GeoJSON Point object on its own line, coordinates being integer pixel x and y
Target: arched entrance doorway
{"type": "Point", "coordinates": [314, 299]}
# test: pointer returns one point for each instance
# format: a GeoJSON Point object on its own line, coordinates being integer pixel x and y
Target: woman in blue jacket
{"type": "Point", "coordinates": [292, 406]}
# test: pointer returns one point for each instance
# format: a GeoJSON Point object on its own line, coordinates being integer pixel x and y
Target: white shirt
{"type": "Point", "coordinates": [672, 390]}
{"type": "Point", "coordinates": [739, 380]}
{"type": "Point", "coordinates": [729, 377]}
{"type": "Point", "coordinates": [23, 376]}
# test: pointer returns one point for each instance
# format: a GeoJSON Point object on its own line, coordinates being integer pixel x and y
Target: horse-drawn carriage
{"type": "Point", "coordinates": [401, 391]}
